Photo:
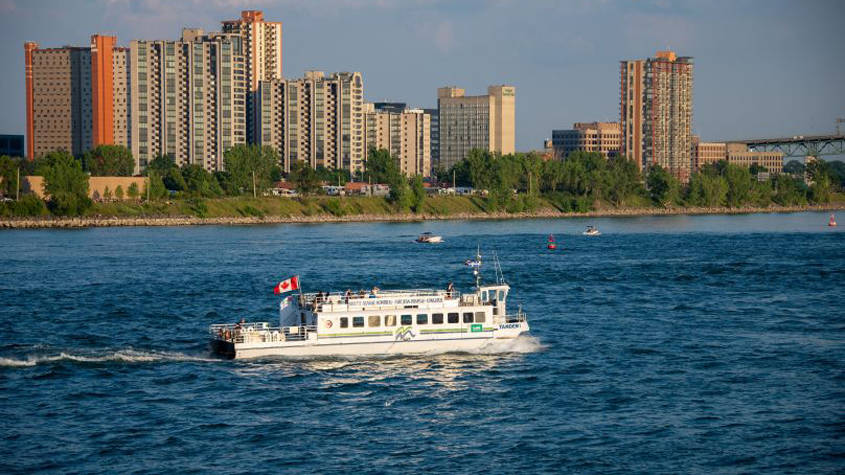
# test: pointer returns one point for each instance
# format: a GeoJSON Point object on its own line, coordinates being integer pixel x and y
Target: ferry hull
{"type": "Point", "coordinates": [311, 348]}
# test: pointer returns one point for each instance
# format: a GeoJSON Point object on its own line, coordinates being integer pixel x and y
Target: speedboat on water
{"type": "Point", "coordinates": [377, 322]}
{"type": "Point", "coordinates": [591, 231]}
{"type": "Point", "coordinates": [832, 221]}
{"type": "Point", "coordinates": [429, 238]}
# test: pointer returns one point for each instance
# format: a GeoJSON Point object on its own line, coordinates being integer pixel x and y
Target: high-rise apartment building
{"type": "Point", "coordinates": [603, 137]}
{"type": "Point", "coordinates": [315, 119]}
{"type": "Point", "coordinates": [262, 48]}
{"type": "Point", "coordinates": [75, 96]}
{"type": "Point", "coordinates": [434, 136]}
{"type": "Point", "coordinates": [656, 112]}
{"type": "Point", "coordinates": [188, 98]}
{"type": "Point", "coordinates": [469, 122]}
{"type": "Point", "coordinates": [405, 133]}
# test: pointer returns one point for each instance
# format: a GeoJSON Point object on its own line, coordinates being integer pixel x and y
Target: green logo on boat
{"type": "Point", "coordinates": [476, 327]}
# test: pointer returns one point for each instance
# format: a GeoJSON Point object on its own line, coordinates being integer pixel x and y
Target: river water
{"type": "Point", "coordinates": [678, 344]}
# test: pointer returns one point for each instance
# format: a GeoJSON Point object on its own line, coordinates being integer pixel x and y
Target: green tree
{"type": "Point", "coordinates": [794, 167]}
{"type": "Point", "coordinates": [109, 160]}
{"type": "Point", "coordinates": [738, 179]}
{"type": "Point", "coordinates": [417, 193]}
{"type": "Point", "coordinates": [174, 181]}
{"type": "Point", "coordinates": [66, 184]}
{"type": "Point", "coordinates": [133, 191]}
{"type": "Point", "coordinates": [304, 177]}
{"type": "Point", "coordinates": [662, 186]}
{"type": "Point", "coordinates": [707, 188]}
{"type": "Point", "coordinates": [381, 167]}
{"type": "Point", "coordinates": [161, 164]}
{"type": "Point", "coordinates": [107, 194]}
{"type": "Point", "coordinates": [250, 167]}
{"type": "Point", "coordinates": [9, 169]}
{"type": "Point", "coordinates": [156, 190]}
{"type": "Point", "coordinates": [788, 190]}
{"type": "Point", "coordinates": [118, 192]}
{"type": "Point", "coordinates": [199, 182]}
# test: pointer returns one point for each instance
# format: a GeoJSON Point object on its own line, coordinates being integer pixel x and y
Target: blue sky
{"type": "Point", "coordinates": [762, 68]}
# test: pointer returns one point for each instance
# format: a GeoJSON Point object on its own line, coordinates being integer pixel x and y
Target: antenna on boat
{"type": "Point", "coordinates": [497, 267]}
{"type": "Point", "coordinates": [477, 270]}
{"type": "Point", "coordinates": [476, 266]}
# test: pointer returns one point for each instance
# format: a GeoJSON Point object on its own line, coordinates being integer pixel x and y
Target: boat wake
{"type": "Point", "coordinates": [121, 356]}
{"type": "Point", "coordinates": [520, 344]}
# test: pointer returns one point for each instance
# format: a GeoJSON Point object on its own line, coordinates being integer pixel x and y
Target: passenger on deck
{"type": "Point", "coordinates": [449, 290]}
{"type": "Point", "coordinates": [375, 291]}
{"type": "Point", "coordinates": [347, 295]}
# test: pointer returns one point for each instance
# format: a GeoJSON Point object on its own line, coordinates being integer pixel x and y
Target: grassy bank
{"type": "Point", "coordinates": [247, 210]}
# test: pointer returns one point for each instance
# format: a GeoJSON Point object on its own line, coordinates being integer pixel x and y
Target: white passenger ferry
{"type": "Point", "coordinates": [378, 322]}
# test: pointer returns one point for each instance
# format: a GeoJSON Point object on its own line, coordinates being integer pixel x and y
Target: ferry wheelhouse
{"type": "Point", "coordinates": [378, 322]}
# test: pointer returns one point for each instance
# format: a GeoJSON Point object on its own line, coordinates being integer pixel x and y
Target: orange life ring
{"type": "Point", "coordinates": [328, 323]}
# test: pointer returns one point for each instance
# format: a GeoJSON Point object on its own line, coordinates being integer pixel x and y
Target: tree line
{"type": "Point", "coordinates": [513, 182]}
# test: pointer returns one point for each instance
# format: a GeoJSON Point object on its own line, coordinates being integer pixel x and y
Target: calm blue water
{"type": "Point", "coordinates": [711, 344]}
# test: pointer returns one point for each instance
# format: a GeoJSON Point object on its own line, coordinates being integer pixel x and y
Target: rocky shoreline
{"type": "Point", "coordinates": [31, 223]}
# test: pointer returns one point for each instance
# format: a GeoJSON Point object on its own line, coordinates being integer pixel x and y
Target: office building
{"type": "Point", "coordinates": [709, 153]}
{"type": "Point", "coordinates": [262, 49]}
{"type": "Point", "coordinates": [405, 133]}
{"type": "Point", "coordinates": [470, 122]}
{"type": "Point", "coordinates": [656, 112]}
{"type": "Point", "coordinates": [739, 154]}
{"type": "Point", "coordinates": [706, 153]}
{"type": "Point", "coordinates": [603, 137]}
{"type": "Point", "coordinates": [188, 98]}
{"type": "Point", "coordinates": [315, 119]}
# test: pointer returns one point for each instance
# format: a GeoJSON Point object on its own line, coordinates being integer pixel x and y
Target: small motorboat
{"type": "Point", "coordinates": [832, 221]}
{"type": "Point", "coordinates": [552, 244]}
{"type": "Point", "coordinates": [428, 238]}
{"type": "Point", "coordinates": [591, 231]}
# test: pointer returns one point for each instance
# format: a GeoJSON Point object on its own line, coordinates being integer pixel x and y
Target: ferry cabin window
{"type": "Point", "coordinates": [374, 321]}
{"type": "Point", "coordinates": [467, 317]}
{"type": "Point", "coordinates": [357, 322]}
{"type": "Point", "coordinates": [453, 318]}
{"type": "Point", "coordinates": [437, 318]}
{"type": "Point", "coordinates": [501, 295]}
{"type": "Point", "coordinates": [422, 319]}
{"type": "Point", "coordinates": [484, 296]}
{"type": "Point", "coordinates": [407, 320]}
{"type": "Point", "coordinates": [390, 320]}
{"type": "Point", "coordinates": [344, 322]}
{"type": "Point", "coordinates": [479, 317]}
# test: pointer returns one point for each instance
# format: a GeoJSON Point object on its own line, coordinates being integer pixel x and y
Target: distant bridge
{"type": "Point", "coordinates": [799, 146]}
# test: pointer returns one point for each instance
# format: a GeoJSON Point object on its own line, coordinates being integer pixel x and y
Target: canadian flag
{"type": "Point", "coordinates": [287, 285]}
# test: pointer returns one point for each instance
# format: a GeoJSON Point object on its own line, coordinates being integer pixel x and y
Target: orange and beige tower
{"type": "Point", "coordinates": [76, 96]}
{"type": "Point", "coordinates": [656, 112]}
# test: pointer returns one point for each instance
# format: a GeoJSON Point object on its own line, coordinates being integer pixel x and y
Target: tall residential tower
{"type": "Point", "coordinates": [76, 97]}
{"type": "Point", "coordinates": [316, 119]}
{"type": "Point", "coordinates": [656, 112]}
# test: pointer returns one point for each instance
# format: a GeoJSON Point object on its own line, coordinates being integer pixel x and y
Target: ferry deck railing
{"type": "Point", "coordinates": [315, 301]}
{"type": "Point", "coordinates": [259, 332]}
